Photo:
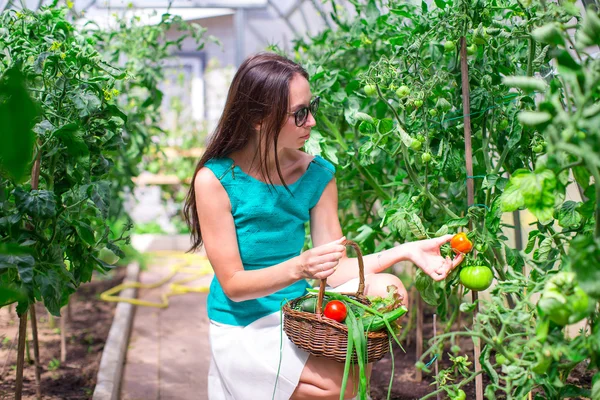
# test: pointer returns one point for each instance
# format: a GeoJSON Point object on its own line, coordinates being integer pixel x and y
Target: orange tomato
{"type": "Point", "coordinates": [460, 243]}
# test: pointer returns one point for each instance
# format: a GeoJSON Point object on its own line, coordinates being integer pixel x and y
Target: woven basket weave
{"type": "Point", "coordinates": [324, 337]}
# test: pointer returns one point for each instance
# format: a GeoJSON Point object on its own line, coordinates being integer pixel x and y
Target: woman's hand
{"type": "Point", "coordinates": [320, 262]}
{"type": "Point", "coordinates": [426, 255]}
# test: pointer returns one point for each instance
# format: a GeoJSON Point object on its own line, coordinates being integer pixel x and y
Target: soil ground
{"type": "Point", "coordinates": [86, 333]}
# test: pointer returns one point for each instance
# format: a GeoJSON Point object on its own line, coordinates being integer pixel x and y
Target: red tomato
{"type": "Point", "coordinates": [336, 310]}
{"type": "Point", "coordinates": [461, 244]}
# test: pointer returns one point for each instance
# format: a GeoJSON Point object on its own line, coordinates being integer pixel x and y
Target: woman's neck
{"type": "Point", "coordinates": [248, 159]}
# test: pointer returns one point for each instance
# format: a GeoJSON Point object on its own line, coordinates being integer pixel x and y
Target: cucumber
{"type": "Point", "coordinates": [376, 323]}
{"type": "Point", "coordinates": [310, 304]}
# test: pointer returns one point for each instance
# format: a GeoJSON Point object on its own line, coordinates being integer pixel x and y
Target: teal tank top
{"type": "Point", "coordinates": [269, 224]}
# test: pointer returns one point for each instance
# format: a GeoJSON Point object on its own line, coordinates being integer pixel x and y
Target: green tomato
{"type": "Point", "coordinates": [370, 90]}
{"type": "Point", "coordinates": [503, 124]}
{"type": "Point", "coordinates": [403, 91]}
{"type": "Point", "coordinates": [481, 247]}
{"type": "Point", "coordinates": [460, 395]}
{"type": "Point", "coordinates": [476, 278]}
{"type": "Point", "coordinates": [563, 301]}
{"type": "Point", "coordinates": [500, 359]}
{"type": "Point", "coordinates": [426, 157]}
{"type": "Point", "coordinates": [472, 49]}
{"type": "Point", "coordinates": [418, 103]}
{"type": "Point", "coordinates": [538, 148]}
{"type": "Point", "coordinates": [416, 145]}
{"type": "Point", "coordinates": [106, 255]}
{"type": "Point", "coordinates": [449, 45]}
{"type": "Point", "coordinates": [433, 112]}
{"type": "Point", "coordinates": [542, 365]}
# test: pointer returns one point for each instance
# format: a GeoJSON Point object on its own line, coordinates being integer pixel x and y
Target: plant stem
{"type": "Point", "coordinates": [461, 384]}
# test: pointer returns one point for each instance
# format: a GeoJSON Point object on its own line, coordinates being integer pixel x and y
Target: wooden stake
{"type": "Point", "coordinates": [36, 353]}
{"type": "Point", "coordinates": [419, 342]}
{"type": "Point", "coordinates": [63, 339]}
{"type": "Point", "coordinates": [21, 355]}
{"type": "Point", "coordinates": [464, 70]}
{"type": "Point", "coordinates": [437, 386]}
{"type": "Point", "coordinates": [35, 181]}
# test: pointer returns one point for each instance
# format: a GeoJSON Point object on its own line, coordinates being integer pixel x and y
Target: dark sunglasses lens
{"type": "Point", "coordinates": [301, 116]}
{"type": "Point", "coordinates": [314, 106]}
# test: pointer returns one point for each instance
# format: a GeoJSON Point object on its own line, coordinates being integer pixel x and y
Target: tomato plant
{"type": "Point", "coordinates": [531, 81]}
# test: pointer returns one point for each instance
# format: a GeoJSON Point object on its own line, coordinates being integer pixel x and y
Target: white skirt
{"type": "Point", "coordinates": [245, 360]}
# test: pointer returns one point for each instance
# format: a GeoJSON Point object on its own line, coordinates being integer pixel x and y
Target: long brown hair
{"type": "Point", "coordinates": [258, 95]}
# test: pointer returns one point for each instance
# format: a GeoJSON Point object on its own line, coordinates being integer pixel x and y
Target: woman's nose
{"type": "Point", "coordinates": [310, 121]}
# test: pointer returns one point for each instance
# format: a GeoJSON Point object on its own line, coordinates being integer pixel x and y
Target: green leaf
{"type": "Point", "coordinates": [574, 392]}
{"type": "Point", "coordinates": [87, 103]}
{"type": "Point", "coordinates": [487, 366]}
{"type": "Point", "coordinates": [405, 137]}
{"type": "Point", "coordinates": [17, 113]}
{"type": "Point", "coordinates": [365, 233]}
{"type": "Point", "coordinates": [55, 290]}
{"type": "Point", "coordinates": [442, 231]}
{"type": "Point", "coordinates": [372, 12]}
{"type": "Point", "coordinates": [584, 255]}
{"type": "Point", "coordinates": [589, 33]}
{"type": "Point", "coordinates": [541, 254]}
{"type": "Point", "coordinates": [511, 199]}
{"type": "Point", "coordinates": [85, 232]}
{"type": "Point", "coordinates": [532, 190]}
{"type": "Point", "coordinates": [596, 389]}
{"type": "Point", "coordinates": [71, 136]}
{"type": "Point", "coordinates": [531, 241]}
{"type": "Point", "coordinates": [427, 287]}
{"type": "Point", "coordinates": [9, 295]}
{"type": "Point", "coordinates": [582, 176]}
{"type": "Point", "coordinates": [534, 118]}
{"type": "Point", "coordinates": [23, 263]}
{"type": "Point", "coordinates": [568, 216]}
{"type": "Point", "coordinates": [440, 3]}
{"type": "Point", "coordinates": [525, 83]}
{"type": "Point", "coordinates": [37, 203]}
{"type": "Point", "coordinates": [457, 222]}
{"type": "Point", "coordinates": [549, 34]}
{"type": "Point", "coordinates": [385, 126]}
{"type": "Point", "coordinates": [416, 226]}
{"type": "Point", "coordinates": [366, 127]}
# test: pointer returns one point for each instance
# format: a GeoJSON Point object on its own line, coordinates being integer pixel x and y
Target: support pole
{"type": "Point", "coordinates": [464, 70]}
{"type": "Point", "coordinates": [419, 342]}
{"type": "Point", "coordinates": [240, 28]}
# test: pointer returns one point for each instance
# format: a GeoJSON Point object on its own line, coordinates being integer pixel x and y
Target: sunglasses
{"type": "Point", "coordinates": [301, 115]}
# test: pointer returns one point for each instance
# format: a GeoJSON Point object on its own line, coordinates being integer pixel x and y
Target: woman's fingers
{"type": "Point", "coordinates": [322, 271]}
{"type": "Point", "coordinates": [457, 260]}
{"type": "Point", "coordinates": [328, 257]}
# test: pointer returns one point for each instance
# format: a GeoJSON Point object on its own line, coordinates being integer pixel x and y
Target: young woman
{"type": "Point", "coordinates": [253, 190]}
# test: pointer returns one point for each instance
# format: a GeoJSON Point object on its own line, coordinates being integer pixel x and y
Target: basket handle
{"type": "Point", "coordinates": [361, 277]}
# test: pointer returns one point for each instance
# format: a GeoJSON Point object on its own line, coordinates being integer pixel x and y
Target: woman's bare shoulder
{"type": "Point", "coordinates": [206, 179]}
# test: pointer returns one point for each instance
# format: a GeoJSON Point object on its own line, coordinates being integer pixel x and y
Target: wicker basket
{"type": "Point", "coordinates": [324, 337]}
